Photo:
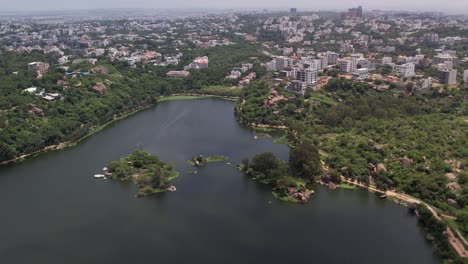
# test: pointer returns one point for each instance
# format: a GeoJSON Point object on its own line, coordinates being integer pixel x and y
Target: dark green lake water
{"type": "Point", "coordinates": [54, 211]}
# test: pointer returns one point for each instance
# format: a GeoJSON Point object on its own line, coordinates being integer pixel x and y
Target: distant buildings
{"type": "Point", "coordinates": [361, 74]}
{"type": "Point", "coordinates": [40, 68]}
{"type": "Point", "coordinates": [293, 11]}
{"type": "Point", "coordinates": [348, 65]}
{"type": "Point", "coordinates": [431, 37]}
{"type": "Point", "coordinates": [355, 12]}
{"type": "Point", "coordinates": [386, 60]}
{"type": "Point", "coordinates": [422, 86]}
{"type": "Point", "coordinates": [465, 77]}
{"type": "Point", "coordinates": [307, 76]}
{"type": "Point", "coordinates": [178, 74]}
{"type": "Point", "coordinates": [405, 70]}
{"type": "Point", "coordinates": [448, 77]}
{"type": "Point", "coordinates": [446, 59]}
{"type": "Point", "coordinates": [297, 86]}
{"type": "Point", "coordinates": [198, 63]}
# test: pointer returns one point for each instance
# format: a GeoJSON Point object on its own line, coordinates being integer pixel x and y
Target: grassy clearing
{"type": "Point", "coordinates": [221, 90]}
{"type": "Point", "coordinates": [322, 98]}
{"type": "Point", "coordinates": [181, 97]}
{"type": "Point", "coordinates": [347, 186]}
{"type": "Point", "coordinates": [282, 140]}
{"type": "Point", "coordinates": [216, 158]}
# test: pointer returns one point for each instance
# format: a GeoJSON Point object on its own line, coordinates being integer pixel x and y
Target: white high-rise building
{"type": "Point", "coordinates": [348, 65]}
{"type": "Point", "coordinates": [405, 70]}
{"type": "Point", "coordinates": [386, 60]}
{"type": "Point", "coordinates": [308, 76]}
{"type": "Point", "coordinates": [465, 77]}
{"type": "Point", "coordinates": [448, 77]}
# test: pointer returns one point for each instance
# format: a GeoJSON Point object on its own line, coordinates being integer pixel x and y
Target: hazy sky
{"type": "Point", "coordinates": [460, 6]}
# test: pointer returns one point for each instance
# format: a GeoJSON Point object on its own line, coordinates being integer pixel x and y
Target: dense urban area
{"type": "Point", "coordinates": [375, 99]}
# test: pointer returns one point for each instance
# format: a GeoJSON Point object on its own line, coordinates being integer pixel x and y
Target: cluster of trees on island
{"type": "Point", "coordinates": [289, 180]}
{"type": "Point", "coordinates": [147, 171]}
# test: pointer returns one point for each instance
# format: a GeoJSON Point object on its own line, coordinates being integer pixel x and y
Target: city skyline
{"type": "Point", "coordinates": [450, 6]}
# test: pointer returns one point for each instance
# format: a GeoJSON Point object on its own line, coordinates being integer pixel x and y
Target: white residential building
{"type": "Point", "coordinates": [465, 77]}
{"type": "Point", "coordinates": [386, 60]}
{"type": "Point", "coordinates": [405, 70]}
{"type": "Point", "coordinates": [308, 76]}
{"type": "Point", "coordinates": [448, 77]}
{"type": "Point", "coordinates": [348, 65]}
{"type": "Point", "coordinates": [361, 74]}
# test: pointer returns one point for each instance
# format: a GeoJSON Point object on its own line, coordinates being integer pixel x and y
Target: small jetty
{"type": "Point", "coordinates": [383, 196]}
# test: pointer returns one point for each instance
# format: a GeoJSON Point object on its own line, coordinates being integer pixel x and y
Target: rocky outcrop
{"type": "Point", "coordinates": [405, 161]}
{"type": "Point", "coordinates": [100, 88]}
{"type": "Point", "coordinates": [451, 176]}
{"type": "Point", "coordinates": [452, 202]}
{"type": "Point", "coordinates": [63, 83]}
{"type": "Point", "coordinates": [381, 168]}
{"type": "Point", "coordinates": [100, 69]}
{"type": "Point", "coordinates": [33, 109]}
{"type": "Point", "coordinates": [302, 193]}
{"type": "Point", "coordinates": [273, 99]}
{"type": "Point", "coordinates": [376, 169]}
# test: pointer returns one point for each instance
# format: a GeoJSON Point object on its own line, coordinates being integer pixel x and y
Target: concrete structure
{"type": "Point", "coordinates": [308, 76]}
{"type": "Point", "coordinates": [355, 12]}
{"type": "Point", "coordinates": [465, 77]}
{"type": "Point", "coordinates": [431, 37]}
{"type": "Point", "coordinates": [361, 74]}
{"type": "Point", "coordinates": [445, 58]}
{"type": "Point", "coordinates": [332, 57]}
{"type": "Point", "coordinates": [178, 74]}
{"type": "Point", "coordinates": [405, 70]}
{"type": "Point", "coordinates": [40, 68]}
{"type": "Point", "coordinates": [297, 86]}
{"type": "Point", "coordinates": [422, 86]}
{"type": "Point", "coordinates": [448, 77]}
{"type": "Point", "coordinates": [386, 60]}
{"type": "Point", "coordinates": [348, 65]}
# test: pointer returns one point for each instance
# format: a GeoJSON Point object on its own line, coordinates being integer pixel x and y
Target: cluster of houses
{"type": "Point", "coordinates": [46, 96]}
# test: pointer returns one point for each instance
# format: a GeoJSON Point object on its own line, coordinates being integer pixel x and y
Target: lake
{"type": "Point", "coordinates": [54, 211]}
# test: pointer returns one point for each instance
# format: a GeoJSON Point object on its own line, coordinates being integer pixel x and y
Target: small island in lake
{"type": "Point", "coordinates": [200, 161]}
{"type": "Point", "coordinates": [288, 179]}
{"type": "Point", "coordinates": [146, 170]}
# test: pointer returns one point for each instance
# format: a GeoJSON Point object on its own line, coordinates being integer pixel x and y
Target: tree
{"type": "Point", "coordinates": [304, 161]}
{"type": "Point", "coordinates": [265, 162]}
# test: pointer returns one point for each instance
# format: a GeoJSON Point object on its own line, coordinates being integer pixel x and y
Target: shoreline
{"type": "Point", "coordinates": [457, 244]}
{"type": "Point", "coordinates": [68, 144]}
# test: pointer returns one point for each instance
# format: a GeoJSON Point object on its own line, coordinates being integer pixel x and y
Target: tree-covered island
{"type": "Point", "coordinates": [304, 166]}
{"type": "Point", "coordinates": [146, 170]}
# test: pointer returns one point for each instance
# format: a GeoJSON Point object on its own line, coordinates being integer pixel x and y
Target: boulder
{"type": "Point", "coordinates": [405, 161]}
{"type": "Point", "coordinates": [33, 109]}
{"type": "Point", "coordinates": [381, 168]}
{"type": "Point", "coordinates": [451, 176]}
{"type": "Point", "coordinates": [100, 88]}
{"type": "Point", "coordinates": [452, 202]}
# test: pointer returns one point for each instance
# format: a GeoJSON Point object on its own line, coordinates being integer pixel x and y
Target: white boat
{"type": "Point", "coordinates": [255, 137]}
{"type": "Point", "coordinates": [104, 169]}
{"type": "Point", "coordinates": [99, 176]}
